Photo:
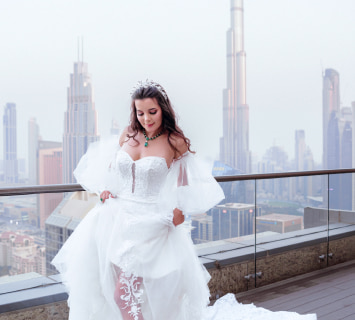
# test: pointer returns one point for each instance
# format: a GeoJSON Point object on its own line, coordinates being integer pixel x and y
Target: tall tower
{"type": "Point", "coordinates": [80, 120]}
{"type": "Point", "coordinates": [331, 109]}
{"type": "Point", "coordinates": [234, 145]}
{"type": "Point", "coordinates": [10, 144]}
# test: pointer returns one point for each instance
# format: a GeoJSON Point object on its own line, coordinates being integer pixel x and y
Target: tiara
{"type": "Point", "coordinates": [149, 83]}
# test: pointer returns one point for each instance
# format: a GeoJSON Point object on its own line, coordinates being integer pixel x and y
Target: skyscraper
{"type": "Point", "coordinates": [346, 162]}
{"type": "Point", "coordinates": [10, 144]}
{"type": "Point", "coordinates": [80, 120]}
{"type": "Point", "coordinates": [33, 137]}
{"type": "Point", "coordinates": [303, 186]}
{"type": "Point", "coordinates": [331, 108]}
{"type": "Point", "coordinates": [337, 142]}
{"type": "Point", "coordinates": [234, 145]}
{"type": "Point", "coordinates": [331, 147]}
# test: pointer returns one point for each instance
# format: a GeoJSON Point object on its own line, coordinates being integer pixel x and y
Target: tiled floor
{"type": "Point", "coordinates": [330, 293]}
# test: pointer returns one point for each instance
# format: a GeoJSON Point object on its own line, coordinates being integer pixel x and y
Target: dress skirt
{"type": "Point", "coordinates": [132, 244]}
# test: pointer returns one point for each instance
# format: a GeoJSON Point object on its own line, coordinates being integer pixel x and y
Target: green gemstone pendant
{"type": "Point", "coordinates": [152, 138]}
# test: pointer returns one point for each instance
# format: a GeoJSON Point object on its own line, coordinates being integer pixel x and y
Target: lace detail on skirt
{"type": "Point", "coordinates": [132, 293]}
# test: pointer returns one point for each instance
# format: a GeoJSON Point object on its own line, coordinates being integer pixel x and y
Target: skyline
{"type": "Point", "coordinates": [284, 63]}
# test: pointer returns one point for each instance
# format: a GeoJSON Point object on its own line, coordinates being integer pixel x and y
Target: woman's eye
{"type": "Point", "coordinates": [153, 112]}
{"type": "Point", "coordinates": [139, 114]}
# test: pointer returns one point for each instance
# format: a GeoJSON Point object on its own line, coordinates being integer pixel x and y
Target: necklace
{"type": "Point", "coordinates": [152, 138]}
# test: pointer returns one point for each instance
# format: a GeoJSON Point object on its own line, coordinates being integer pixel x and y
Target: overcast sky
{"type": "Point", "coordinates": [181, 44]}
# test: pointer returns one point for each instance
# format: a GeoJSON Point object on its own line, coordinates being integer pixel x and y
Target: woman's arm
{"type": "Point", "coordinates": [182, 148]}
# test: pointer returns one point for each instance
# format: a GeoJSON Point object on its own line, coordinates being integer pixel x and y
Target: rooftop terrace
{"type": "Point", "coordinates": [330, 293]}
{"type": "Point", "coordinates": [308, 269]}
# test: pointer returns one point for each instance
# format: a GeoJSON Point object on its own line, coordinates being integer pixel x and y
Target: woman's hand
{"type": "Point", "coordinates": [179, 218]}
{"type": "Point", "coordinates": [105, 195]}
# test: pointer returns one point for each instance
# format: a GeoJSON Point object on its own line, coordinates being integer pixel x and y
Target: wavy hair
{"type": "Point", "coordinates": [169, 122]}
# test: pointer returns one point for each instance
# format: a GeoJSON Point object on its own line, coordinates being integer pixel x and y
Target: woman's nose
{"type": "Point", "coordinates": [147, 117]}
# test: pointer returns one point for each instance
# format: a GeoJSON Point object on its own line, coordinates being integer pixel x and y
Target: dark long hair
{"type": "Point", "coordinates": [169, 123]}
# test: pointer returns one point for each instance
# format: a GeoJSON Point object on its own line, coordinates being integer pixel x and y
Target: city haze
{"type": "Point", "coordinates": [181, 44]}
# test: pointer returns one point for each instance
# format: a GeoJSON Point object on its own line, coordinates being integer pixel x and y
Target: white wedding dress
{"type": "Point", "coordinates": [131, 238]}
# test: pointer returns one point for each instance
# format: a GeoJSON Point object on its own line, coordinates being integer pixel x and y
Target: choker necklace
{"type": "Point", "coordinates": [152, 138]}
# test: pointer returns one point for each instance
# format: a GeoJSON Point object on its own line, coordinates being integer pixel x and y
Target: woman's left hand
{"type": "Point", "coordinates": [179, 218]}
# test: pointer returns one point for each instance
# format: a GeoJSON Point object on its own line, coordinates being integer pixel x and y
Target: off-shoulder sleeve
{"type": "Point", "coordinates": [93, 169]}
{"type": "Point", "coordinates": [190, 186]}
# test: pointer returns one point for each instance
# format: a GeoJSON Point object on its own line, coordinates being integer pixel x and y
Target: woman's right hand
{"type": "Point", "coordinates": [105, 195]}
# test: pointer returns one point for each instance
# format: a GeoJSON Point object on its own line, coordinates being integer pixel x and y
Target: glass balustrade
{"type": "Point", "coordinates": [263, 221]}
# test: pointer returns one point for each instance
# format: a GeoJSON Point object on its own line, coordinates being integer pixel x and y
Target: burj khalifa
{"type": "Point", "coordinates": [234, 145]}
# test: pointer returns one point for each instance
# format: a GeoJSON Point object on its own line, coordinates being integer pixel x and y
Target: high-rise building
{"type": "Point", "coordinates": [49, 172]}
{"type": "Point", "coordinates": [310, 183]}
{"type": "Point", "coordinates": [337, 143]}
{"type": "Point", "coordinates": [346, 162]}
{"type": "Point", "coordinates": [303, 186]}
{"type": "Point", "coordinates": [33, 137]}
{"type": "Point", "coordinates": [21, 254]}
{"type": "Point", "coordinates": [201, 231]}
{"type": "Point", "coordinates": [331, 108]}
{"type": "Point", "coordinates": [234, 145]}
{"type": "Point", "coordinates": [280, 223]}
{"type": "Point", "coordinates": [10, 144]}
{"type": "Point", "coordinates": [231, 220]}
{"type": "Point", "coordinates": [80, 120]}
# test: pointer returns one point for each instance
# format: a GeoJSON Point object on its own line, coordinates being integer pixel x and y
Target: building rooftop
{"type": "Point", "coordinates": [279, 217]}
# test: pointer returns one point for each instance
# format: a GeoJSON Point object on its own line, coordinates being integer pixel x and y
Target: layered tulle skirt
{"type": "Point", "coordinates": [135, 246]}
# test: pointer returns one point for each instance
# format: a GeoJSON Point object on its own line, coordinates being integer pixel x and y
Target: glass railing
{"type": "Point", "coordinates": [262, 214]}
{"type": "Point", "coordinates": [265, 215]}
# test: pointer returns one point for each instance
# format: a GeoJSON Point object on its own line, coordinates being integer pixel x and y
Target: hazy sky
{"type": "Point", "coordinates": [182, 44]}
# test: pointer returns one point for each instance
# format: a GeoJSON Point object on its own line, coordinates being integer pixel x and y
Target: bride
{"type": "Point", "coordinates": [130, 258]}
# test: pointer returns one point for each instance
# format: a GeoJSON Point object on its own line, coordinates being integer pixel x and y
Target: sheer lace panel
{"type": "Point", "coordinates": [132, 296]}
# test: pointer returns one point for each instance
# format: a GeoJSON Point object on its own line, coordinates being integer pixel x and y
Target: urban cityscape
{"type": "Point", "coordinates": [33, 228]}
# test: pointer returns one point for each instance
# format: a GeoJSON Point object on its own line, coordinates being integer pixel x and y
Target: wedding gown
{"type": "Point", "coordinates": [131, 239]}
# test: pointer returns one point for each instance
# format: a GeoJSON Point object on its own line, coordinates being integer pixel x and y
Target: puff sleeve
{"type": "Point", "coordinates": [190, 186]}
{"type": "Point", "coordinates": [93, 171]}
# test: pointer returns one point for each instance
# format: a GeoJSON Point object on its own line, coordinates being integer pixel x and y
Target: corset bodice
{"type": "Point", "coordinates": [141, 179]}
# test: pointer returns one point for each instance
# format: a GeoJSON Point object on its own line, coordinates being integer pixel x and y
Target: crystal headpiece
{"type": "Point", "coordinates": [149, 83]}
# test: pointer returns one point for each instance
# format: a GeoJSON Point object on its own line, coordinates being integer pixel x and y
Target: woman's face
{"type": "Point", "coordinates": [149, 115]}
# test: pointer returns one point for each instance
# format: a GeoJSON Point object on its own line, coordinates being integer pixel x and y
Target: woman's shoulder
{"type": "Point", "coordinates": [124, 137]}
{"type": "Point", "coordinates": [180, 144]}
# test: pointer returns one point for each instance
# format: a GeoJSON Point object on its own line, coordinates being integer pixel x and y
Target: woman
{"type": "Point", "coordinates": [130, 258]}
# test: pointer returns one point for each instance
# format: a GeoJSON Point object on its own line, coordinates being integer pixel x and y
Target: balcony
{"type": "Point", "coordinates": [266, 247]}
